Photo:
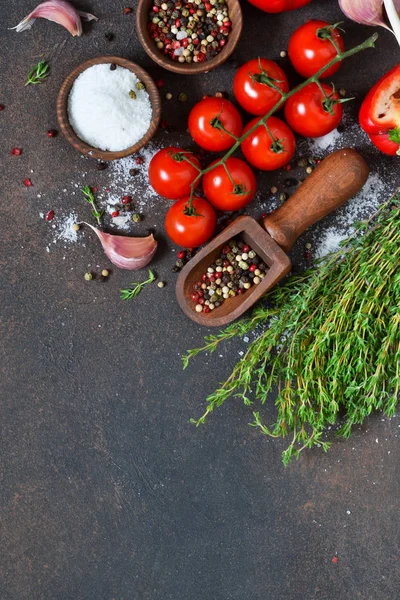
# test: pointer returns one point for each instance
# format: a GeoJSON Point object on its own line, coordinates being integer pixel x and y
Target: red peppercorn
{"type": "Point", "coordinates": [212, 278]}
{"type": "Point", "coordinates": [160, 83]}
{"type": "Point", "coordinates": [139, 160]}
{"type": "Point", "coordinates": [264, 215]}
{"type": "Point", "coordinates": [246, 248]}
{"type": "Point", "coordinates": [16, 151]}
{"type": "Point", "coordinates": [185, 43]}
{"type": "Point", "coordinates": [287, 168]}
{"type": "Point", "coordinates": [28, 182]}
{"type": "Point", "coordinates": [195, 42]}
{"type": "Point", "coordinates": [222, 42]}
{"type": "Point", "coordinates": [204, 277]}
{"type": "Point", "coordinates": [155, 9]}
{"type": "Point", "coordinates": [50, 215]}
{"type": "Point", "coordinates": [115, 213]}
{"type": "Point", "coordinates": [227, 24]}
{"type": "Point", "coordinates": [51, 133]}
{"type": "Point", "coordinates": [194, 296]}
{"type": "Point", "coordinates": [94, 189]}
{"type": "Point", "coordinates": [200, 293]}
{"type": "Point", "coordinates": [240, 291]}
{"type": "Point", "coordinates": [206, 309]}
{"type": "Point", "coordinates": [252, 268]}
{"type": "Point", "coordinates": [127, 10]}
{"type": "Point", "coordinates": [181, 254]}
{"type": "Point", "coordinates": [226, 263]}
{"type": "Point", "coordinates": [207, 6]}
{"type": "Point", "coordinates": [178, 23]}
{"type": "Point", "coordinates": [335, 560]}
{"type": "Point", "coordinates": [226, 249]}
{"type": "Point", "coordinates": [201, 57]}
{"type": "Point", "coordinates": [201, 300]}
{"type": "Point", "coordinates": [2, 107]}
{"type": "Point", "coordinates": [164, 124]}
{"type": "Point", "coordinates": [126, 199]}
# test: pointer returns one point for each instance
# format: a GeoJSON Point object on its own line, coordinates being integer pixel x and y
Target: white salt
{"type": "Point", "coordinates": [102, 113]}
{"type": "Point", "coordinates": [65, 231]}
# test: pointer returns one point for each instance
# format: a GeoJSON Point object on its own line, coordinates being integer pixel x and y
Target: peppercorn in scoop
{"type": "Point", "coordinates": [190, 30]}
{"type": "Point", "coordinates": [236, 270]}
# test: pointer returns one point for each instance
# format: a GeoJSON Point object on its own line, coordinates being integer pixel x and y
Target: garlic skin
{"type": "Point", "coordinates": [370, 12]}
{"type": "Point", "coordinates": [124, 252]}
{"type": "Point", "coordinates": [59, 11]}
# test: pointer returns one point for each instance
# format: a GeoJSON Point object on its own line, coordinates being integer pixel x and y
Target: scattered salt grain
{"type": "Point", "coordinates": [101, 111]}
{"type": "Point", "coordinates": [65, 231]}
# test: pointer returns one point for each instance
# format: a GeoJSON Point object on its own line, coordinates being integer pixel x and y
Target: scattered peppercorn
{"type": "Point", "coordinates": [290, 182]}
{"type": "Point", "coordinates": [160, 83]}
{"type": "Point", "coordinates": [88, 276]}
{"type": "Point", "coordinates": [28, 182]}
{"type": "Point", "coordinates": [76, 227]}
{"type": "Point", "coordinates": [183, 97]}
{"type": "Point", "coordinates": [274, 189]}
{"type": "Point", "coordinates": [127, 10]}
{"type": "Point", "coordinates": [109, 36]}
{"type": "Point", "coordinates": [113, 66]}
{"type": "Point", "coordinates": [282, 53]}
{"type": "Point", "coordinates": [139, 160]}
{"type": "Point", "coordinates": [219, 95]}
{"type": "Point", "coordinates": [101, 165]}
{"type": "Point", "coordinates": [164, 124]}
{"type": "Point", "coordinates": [126, 199]}
{"type": "Point", "coordinates": [133, 172]}
{"type": "Point", "coordinates": [115, 213]}
{"type": "Point", "coordinates": [2, 107]}
{"type": "Point", "coordinates": [136, 218]}
{"type": "Point", "coordinates": [140, 85]}
{"type": "Point", "coordinates": [302, 162]}
{"type": "Point", "coordinates": [181, 254]}
{"type": "Point", "coordinates": [342, 92]}
{"type": "Point", "coordinates": [50, 215]}
{"type": "Point", "coordinates": [283, 197]}
{"type": "Point", "coordinates": [160, 284]}
{"type": "Point", "coordinates": [105, 273]}
{"type": "Point", "coordinates": [309, 170]}
{"type": "Point", "coordinates": [16, 151]}
{"type": "Point", "coordinates": [287, 168]}
{"type": "Point", "coordinates": [132, 94]}
{"type": "Point", "coordinates": [168, 96]}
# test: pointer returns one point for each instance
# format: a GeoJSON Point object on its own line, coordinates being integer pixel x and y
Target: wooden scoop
{"type": "Point", "coordinates": [336, 179]}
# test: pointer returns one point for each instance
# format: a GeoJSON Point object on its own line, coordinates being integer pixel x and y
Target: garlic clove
{"type": "Point", "coordinates": [127, 252]}
{"type": "Point", "coordinates": [370, 12]}
{"type": "Point", "coordinates": [58, 11]}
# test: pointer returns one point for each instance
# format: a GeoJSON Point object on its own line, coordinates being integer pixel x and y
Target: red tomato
{"type": "Point", "coordinates": [220, 190]}
{"type": "Point", "coordinates": [385, 144]}
{"type": "Point", "coordinates": [277, 6]}
{"type": "Point", "coordinates": [312, 114]}
{"type": "Point", "coordinates": [251, 88]}
{"type": "Point", "coordinates": [310, 48]}
{"type": "Point", "coordinates": [204, 118]}
{"type": "Point", "coordinates": [171, 174]}
{"type": "Point", "coordinates": [263, 152]}
{"type": "Point", "coordinates": [190, 231]}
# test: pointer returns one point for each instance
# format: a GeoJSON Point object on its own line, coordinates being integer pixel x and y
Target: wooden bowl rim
{"type": "Point", "coordinates": [62, 108]}
{"type": "Point", "coordinates": [189, 68]}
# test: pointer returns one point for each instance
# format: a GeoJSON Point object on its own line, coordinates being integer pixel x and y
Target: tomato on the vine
{"type": "Point", "coordinates": [187, 228]}
{"type": "Point", "coordinates": [277, 6]}
{"type": "Point", "coordinates": [252, 85]}
{"type": "Point", "coordinates": [269, 147]}
{"type": "Point", "coordinates": [311, 48]}
{"type": "Point", "coordinates": [222, 192]}
{"type": "Point", "coordinates": [172, 171]}
{"type": "Point", "coordinates": [312, 112]}
{"type": "Point", "coordinates": [210, 120]}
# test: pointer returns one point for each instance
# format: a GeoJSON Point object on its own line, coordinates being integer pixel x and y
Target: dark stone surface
{"type": "Point", "coordinates": [107, 492]}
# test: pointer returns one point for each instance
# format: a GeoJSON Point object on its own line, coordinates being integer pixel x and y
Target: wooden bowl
{"type": "Point", "coordinates": [62, 108]}
{"type": "Point", "coordinates": [235, 15]}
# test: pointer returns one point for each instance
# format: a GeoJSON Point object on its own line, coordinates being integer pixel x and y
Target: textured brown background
{"type": "Point", "coordinates": [106, 491]}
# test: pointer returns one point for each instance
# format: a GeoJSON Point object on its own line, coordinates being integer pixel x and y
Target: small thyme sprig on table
{"type": "Point", "coordinates": [38, 73]}
{"type": "Point", "coordinates": [89, 196]}
{"type": "Point", "coordinates": [276, 145]}
{"type": "Point", "coordinates": [136, 288]}
{"type": "Point", "coordinates": [331, 341]}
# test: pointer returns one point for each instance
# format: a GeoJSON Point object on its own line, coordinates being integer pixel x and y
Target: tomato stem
{"type": "Point", "coordinates": [368, 43]}
{"type": "Point", "coordinates": [325, 33]}
{"type": "Point", "coordinates": [263, 78]}
{"type": "Point", "coordinates": [217, 124]}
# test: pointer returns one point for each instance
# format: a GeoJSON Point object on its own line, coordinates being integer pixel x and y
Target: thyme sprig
{"type": "Point", "coordinates": [89, 196]}
{"type": "Point", "coordinates": [136, 288]}
{"type": "Point", "coordinates": [38, 73]}
{"type": "Point", "coordinates": [331, 341]}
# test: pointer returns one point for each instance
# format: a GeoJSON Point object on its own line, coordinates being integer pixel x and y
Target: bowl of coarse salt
{"type": "Point", "coordinates": [108, 108]}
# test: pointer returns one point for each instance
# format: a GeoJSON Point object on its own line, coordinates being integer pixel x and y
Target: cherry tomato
{"type": "Point", "coordinates": [263, 152]}
{"type": "Point", "coordinates": [190, 231]}
{"type": "Point", "coordinates": [221, 192]}
{"type": "Point", "coordinates": [312, 114]}
{"type": "Point", "coordinates": [277, 6]}
{"type": "Point", "coordinates": [204, 119]}
{"type": "Point", "coordinates": [385, 144]}
{"type": "Point", "coordinates": [310, 48]}
{"type": "Point", "coordinates": [251, 88]}
{"type": "Point", "coordinates": [171, 173]}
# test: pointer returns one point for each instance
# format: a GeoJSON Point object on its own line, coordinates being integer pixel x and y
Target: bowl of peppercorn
{"type": "Point", "coordinates": [189, 36]}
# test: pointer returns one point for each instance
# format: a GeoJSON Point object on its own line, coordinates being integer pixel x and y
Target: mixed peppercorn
{"type": "Point", "coordinates": [190, 30]}
{"type": "Point", "coordinates": [236, 270]}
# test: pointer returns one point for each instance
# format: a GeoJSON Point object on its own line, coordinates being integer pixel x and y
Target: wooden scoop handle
{"type": "Point", "coordinates": [336, 179]}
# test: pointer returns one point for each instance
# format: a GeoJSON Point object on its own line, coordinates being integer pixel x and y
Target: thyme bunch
{"type": "Point", "coordinates": [136, 288]}
{"type": "Point", "coordinates": [331, 341]}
